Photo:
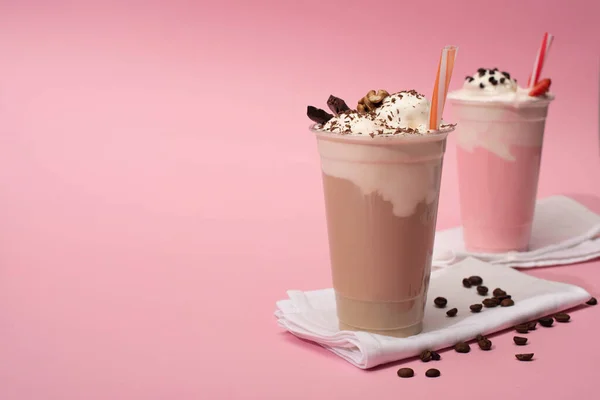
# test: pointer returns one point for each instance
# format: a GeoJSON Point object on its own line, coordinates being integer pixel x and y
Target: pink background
{"type": "Point", "coordinates": [159, 190]}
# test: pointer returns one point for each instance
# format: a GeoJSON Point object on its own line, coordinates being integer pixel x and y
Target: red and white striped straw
{"type": "Point", "coordinates": [540, 59]}
{"type": "Point", "coordinates": [440, 88]}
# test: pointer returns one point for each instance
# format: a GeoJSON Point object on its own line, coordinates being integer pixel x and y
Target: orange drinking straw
{"type": "Point", "coordinates": [440, 88]}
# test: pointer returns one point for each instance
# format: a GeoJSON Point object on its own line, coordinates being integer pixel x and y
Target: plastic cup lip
{"type": "Point", "coordinates": [382, 140]}
{"type": "Point", "coordinates": [487, 102]}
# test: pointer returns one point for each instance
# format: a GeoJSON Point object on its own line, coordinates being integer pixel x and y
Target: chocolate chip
{"type": "Point", "coordinates": [481, 85]}
{"type": "Point", "coordinates": [462, 347]}
{"type": "Point", "coordinates": [490, 302]}
{"type": "Point", "coordinates": [531, 326]}
{"type": "Point", "coordinates": [520, 341]}
{"type": "Point", "coordinates": [522, 328]}
{"type": "Point", "coordinates": [426, 356]}
{"type": "Point", "coordinates": [481, 71]}
{"type": "Point", "coordinates": [482, 290]}
{"type": "Point", "coordinates": [432, 373]}
{"type": "Point", "coordinates": [524, 357]}
{"type": "Point", "coordinates": [502, 80]}
{"type": "Point", "coordinates": [470, 78]}
{"type": "Point", "coordinates": [475, 307]}
{"type": "Point", "coordinates": [562, 317]}
{"type": "Point", "coordinates": [485, 344]}
{"type": "Point", "coordinates": [475, 280]}
{"type": "Point", "coordinates": [546, 321]}
{"type": "Point", "coordinates": [592, 302]}
{"type": "Point", "coordinates": [452, 312]}
{"type": "Point", "coordinates": [440, 302]}
{"type": "Point", "coordinates": [498, 292]}
{"type": "Point", "coordinates": [466, 283]}
{"type": "Point", "coordinates": [317, 115]}
{"type": "Point", "coordinates": [507, 303]}
{"type": "Point", "coordinates": [506, 74]}
{"type": "Point", "coordinates": [435, 356]}
{"type": "Point", "coordinates": [337, 105]}
{"type": "Point", "coordinates": [493, 81]}
{"type": "Point", "coordinates": [495, 69]}
{"type": "Point", "coordinates": [406, 373]}
{"type": "Point", "coordinates": [492, 72]}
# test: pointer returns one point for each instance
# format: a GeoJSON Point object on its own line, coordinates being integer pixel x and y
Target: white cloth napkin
{"type": "Point", "coordinates": [312, 316]}
{"type": "Point", "coordinates": [564, 232]}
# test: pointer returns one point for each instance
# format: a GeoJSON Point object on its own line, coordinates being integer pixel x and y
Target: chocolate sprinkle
{"type": "Point", "coordinates": [337, 105]}
{"type": "Point", "coordinates": [317, 115]}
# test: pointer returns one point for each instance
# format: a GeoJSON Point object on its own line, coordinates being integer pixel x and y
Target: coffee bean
{"type": "Point", "coordinates": [452, 312]}
{"type": "Point", "coordinates": [546, 321]}
{"type": "Point", "coordinates": [524, 357]}
{"type": "Point", "coordinates": [426, 356]}
{"type": "Point", "coordinates": [485, 344]}
{"type": "Point", "coordinates": [475, 307]}
{"type": "Point", "coordinates": [432, 373]}
{"type": "Point", "coordinates": [435, 356]}
{"type": "Point", "coordinates": [462, 347]}
{"type": "Point", "coordinates": [498, 292]}
{"type": "Point", "coordinates": [466, 283]}
{"type": "Point", "coordinates": [522, 328]}
{"type": "Point", "coordinates": [507, 303]}
{"type": "Point", "coordinates": [490, 302]}
{"type": "Point", "coordinates": [475, 280]}
{"type": "Point", "coordinates": [532, 325]}
{"type": "Point", "coordinates": [406, 373]}
{"type": "Point", "coordinates": [592, 302]}
{"type": "Point", "coordinates": [501, 298]}
{"type": "Point", "coordinates": [480, 337]}
{"type": "Point", "coordinates": [520, 341]}
{"type": "Point", "coordinates": [440, 302]}
{"type": "Point", "coordinates": [482, 290]}
{"type": "Point", "coordinates": [562, 317]}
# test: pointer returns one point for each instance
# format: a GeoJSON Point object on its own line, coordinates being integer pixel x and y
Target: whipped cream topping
{"type": "Point", "coordinates": [405, 112]}
{"type": "Point", "coordinates": [493, 85]}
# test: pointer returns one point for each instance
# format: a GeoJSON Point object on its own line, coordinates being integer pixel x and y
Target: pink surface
{"type": "Point", "coordinates": [159, 190]}
{"type": "Point", "coordinates": [498, 197]}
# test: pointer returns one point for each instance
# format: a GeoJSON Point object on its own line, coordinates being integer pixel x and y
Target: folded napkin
{"type": "Point", "coordinates": [563, 232]}
{"type": "Point", "coordinates": [312, 316]}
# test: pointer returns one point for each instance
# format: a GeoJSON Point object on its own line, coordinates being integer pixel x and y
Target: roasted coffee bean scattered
{"type": "Point", "coordinates": [440, 302]}
{"type": "Point", "coordinates": [532, 325]}
{"type": "Point", "coordinates": [452, 312]}
{"type": "Point", "coordinates": [485, 344]}
{"type": "Point", "coordinates": [520, 341]}
{"type": "Point", "coordinates": [507, 303]}
{"type": "Point", "coordinates": [490, 302]}
{"type": "Point", "coordinates": [475, 280]}
{"type": "Point", "coordinates": [546, 321]}
{"type": "Point", "coordinates": [592, 302]}
{"type": "Point", "coordinates": [406, 373]}
{"type": "Point", "coordinates": [524, 357]}
{"type": "Point", "coordinates": [479, 337]}
{"type": "Point", "coordinates": [462, 347]}
{"type": "Point", "coordinates": [475, 307]}
{"type": "Point", "coordinates": [426, 356]}
{"type": "Point", "coordinates": [498, 292]}
{"type": "Point", "coordinates": [522, 328]}
{"type": "Point", "coordinates": [432, 373]}
{"type": "Point", "coordinates": [435, 356]}
{"type": "Point", "coordinates": [562, 317]}
{"type": "Point", "coordinates": [482, 290]}
{"type": "Point", "coordinates": [502, 298]}
{"type": "Point", "coordinates": [466, 283]}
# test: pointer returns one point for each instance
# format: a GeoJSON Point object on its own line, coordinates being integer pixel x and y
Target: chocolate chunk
{"type": "Point", "coordinates": [337, 105]}
{"type": "Point", "coordinates": [506, 74]}
{"type": "Point", "coordinates": [524, 357]}
{"type": "Point", "coordinates": [317, 115]}
{"type": "Point", "coordinates": [502, 80]}
{"type": "Point", "coordinates": [481, 85]}
{"type": "Point", "coordinates": [493, 81]}
{"type": "Point", "coordinates": [592, 302]}
{"type": "Point", "coordinates": [482, 71]}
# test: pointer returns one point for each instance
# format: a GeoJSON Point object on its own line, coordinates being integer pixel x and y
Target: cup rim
{"type": "Point", "coordinates": [379, 140]}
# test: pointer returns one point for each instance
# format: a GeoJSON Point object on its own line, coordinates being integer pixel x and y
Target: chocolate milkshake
{"type": "Point", "coordinates": [381, 178]}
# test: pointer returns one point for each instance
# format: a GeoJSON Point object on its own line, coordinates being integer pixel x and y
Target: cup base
{"type": "Point", "coordinates": [399, 333]}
